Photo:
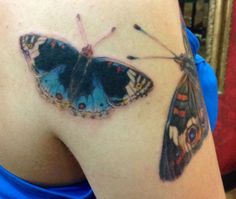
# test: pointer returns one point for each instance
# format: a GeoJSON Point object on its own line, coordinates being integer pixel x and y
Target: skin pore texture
{"type": "Point", "coordinates": [119, 154]}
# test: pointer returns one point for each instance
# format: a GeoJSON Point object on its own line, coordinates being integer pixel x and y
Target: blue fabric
{"type": "Point", "coordinates": [207, 79]}
{"type": "Point", "coordinates": [13, 187]}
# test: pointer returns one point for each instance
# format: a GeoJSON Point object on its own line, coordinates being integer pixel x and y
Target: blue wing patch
{"type": "Point", "coordinates": [51, 82]}
{"type": "Point", "coordinates": [95, 104]}
{"type": "Point", "coordinates": [52, 89]}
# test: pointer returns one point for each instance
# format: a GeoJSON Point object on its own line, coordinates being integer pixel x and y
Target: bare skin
{"type": "Point", "coordinates": [118, 155]}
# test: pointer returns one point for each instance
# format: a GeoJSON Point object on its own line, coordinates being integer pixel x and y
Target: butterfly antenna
{"type": "Point", "coordinates": [113, 29]}
{"type": "Point", "coordinates": [130, 57]}
{"type": "Point", "coordinates": [82, 30]}
{"type": "Point", "coordinates": [140, 29]}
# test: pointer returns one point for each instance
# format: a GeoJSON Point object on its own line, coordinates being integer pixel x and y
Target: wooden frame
{"type": "Point", "coordinates": [219, 26]}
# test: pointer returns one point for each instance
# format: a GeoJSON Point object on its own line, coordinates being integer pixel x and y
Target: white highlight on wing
{"type": "Point", "coordinates": [132, 72]}
{"type": "Point", "coordinates": [191, 121]}
{"type": "Point", "coordinates": [131, 76]}
{"type": "Point", "coordinates": [174, 135]}
{"type": "Point", "coordinates": [35, 51]}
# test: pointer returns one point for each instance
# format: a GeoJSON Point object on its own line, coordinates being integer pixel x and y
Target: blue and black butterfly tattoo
{"type": "Point", "coordinates": [79, 82]}
{"type": "Point", "coordinates": [187, 123]}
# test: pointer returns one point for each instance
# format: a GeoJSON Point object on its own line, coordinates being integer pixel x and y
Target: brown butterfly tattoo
{"type": "Point", "coordinates": [187, 123]}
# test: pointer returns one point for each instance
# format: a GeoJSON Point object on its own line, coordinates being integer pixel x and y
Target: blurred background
{"type": "Point", "coordinates": [196, 19]}
{"type": "Point", "coordinates": [214, 24]}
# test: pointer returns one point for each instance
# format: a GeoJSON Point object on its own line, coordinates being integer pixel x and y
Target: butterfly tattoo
{"type": "Point", "coordinates": [187, 123]}
{"type": "Point", "coordinates": [79, 82]}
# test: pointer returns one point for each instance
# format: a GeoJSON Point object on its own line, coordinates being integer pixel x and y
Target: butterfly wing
{"type": "Point", "coordinates": [185, 130]}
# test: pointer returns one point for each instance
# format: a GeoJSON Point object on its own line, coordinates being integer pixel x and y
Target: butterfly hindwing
{"type": "Point", "coordinates": [94, 103]}
{"type": "Point", "coordinates": [110, 83]}
{"type": "Point", "coordinates": [186, 128]}
{"type": "Point", "coordinates": [86, 86]}
{"type": "Point", "coordinates": [51, 87]}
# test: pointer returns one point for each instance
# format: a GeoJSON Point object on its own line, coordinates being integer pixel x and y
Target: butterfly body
{"type": "Point", "coordinates": [79, 82]}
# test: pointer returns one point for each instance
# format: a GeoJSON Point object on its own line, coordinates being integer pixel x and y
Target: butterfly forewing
{"type": "Point", "coordinates": [121, 83]}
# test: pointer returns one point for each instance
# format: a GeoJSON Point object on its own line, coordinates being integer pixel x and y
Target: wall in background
{"type": "Point", "coordinates": [225, 134]}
